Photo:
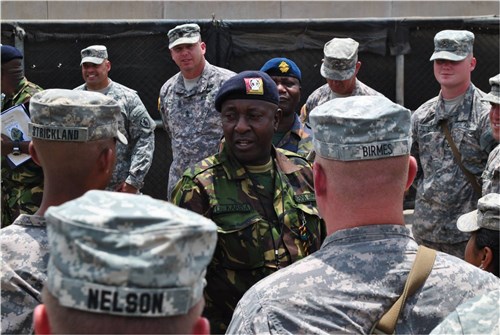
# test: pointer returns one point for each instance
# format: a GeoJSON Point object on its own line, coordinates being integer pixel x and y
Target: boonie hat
{"type": "Point", "coordinates": [340, 58]}
{"type": "Point", "coordinates": [128, 254]}
{"type": "Point", "coordinates": [487, 215]}
{"type": "Point", "coordinates": [184, 34]}
{"type": "Point", "coordinates": [282, 67]}
{"type": "Point", "coordinates": [254, 85]}
{"type": "Point", "coordinates": [494, 95]}
{"type": "Point", "coordinates": [454, 45]}
{"type": "Point", "coordinates": [74, 116]}
{"type": "Point", "coordinates": [9, 53]}
{"type": "Point", "coordinates": [95, 54]}
{"type": "Point", "coordinates": [360, 128]}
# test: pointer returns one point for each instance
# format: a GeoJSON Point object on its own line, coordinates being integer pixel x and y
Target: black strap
{"type": "Point", "coordinates": [458, 157]}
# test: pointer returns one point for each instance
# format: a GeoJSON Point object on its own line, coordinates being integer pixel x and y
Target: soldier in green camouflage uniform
{"type": "Point", "coordinates": [290, 135]}
{"type": "Point", "coordinates": [491, 174]}
{"type": "Point", "coordinates": [73, 138]}
{"type": "Point", "coordinates": [22, 186]}
{"type": "Point", "coordinates": [340, 69]}
{"type": "Point", "coordinates": [135, 158]}
{"type": "Point", "coordinates": [443, 190]}
{"type": "Point", "coordinates": [261, 198]}
{"type": "Point", "coordinates": [186, 102]}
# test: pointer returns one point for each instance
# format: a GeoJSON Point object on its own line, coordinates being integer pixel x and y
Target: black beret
{"type": "Point", "coordinates": [255, 85]}
{"type": "Point", "coordinates": [282, 67]}
{"type": "Point", "coordinates": [9, 53]}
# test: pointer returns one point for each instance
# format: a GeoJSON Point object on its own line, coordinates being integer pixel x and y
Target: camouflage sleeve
{"type": "Point", "coordinates": [250, 317]}
{"type": "Point", "coordinates": [141, 134]}
{"type": "Point", "coordinates": [19, 299]}
{"type": "Point", "coordinates": [162, 106]}
{"type": "Point", "coordinates": [24, 262]}
{"type": "Point", "coordinates": [188, 194]}
{"type": "Point", "coordinates": [486, 140]}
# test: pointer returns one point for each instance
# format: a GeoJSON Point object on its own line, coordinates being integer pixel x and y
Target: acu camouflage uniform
{"type": "Point", "coordinates": [220, 188]}
{"type": "Point", "coordinates": [324, 94]}
{"type": "Point", "coordinates": [491, 174]}
{"type": "Point", "coordinates": [23, 271]}
{"type": "Point", "coordinates": [134, 159]}
{"type": "Point", "coordinates": [351, 282]}
{"type": "Point", "coordinates": [190, 119]}
{"type": "Point", "coordinates": [479, 315]}
{"type": "Point", "coordinates": [443, 190]}
{"type": "Point", "coordinates": [296, 139]}
{"type": "Point", "coordinates": [22, 187]}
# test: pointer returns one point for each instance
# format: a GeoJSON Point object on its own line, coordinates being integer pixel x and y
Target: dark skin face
{"type": "Point", "coordinates": [289, 92]}
{"type": "Point", "coordinates": [248, 127]}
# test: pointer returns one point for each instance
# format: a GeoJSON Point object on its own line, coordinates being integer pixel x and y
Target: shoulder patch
{"type": "Point", "coordinates": [145, 123]}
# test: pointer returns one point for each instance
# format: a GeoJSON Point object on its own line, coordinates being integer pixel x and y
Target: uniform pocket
{"type": "Point", "coordinates": [239, 245]}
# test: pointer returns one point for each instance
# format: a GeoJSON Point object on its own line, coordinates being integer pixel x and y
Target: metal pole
{"type": "Point", "coordinates": [400, 79]}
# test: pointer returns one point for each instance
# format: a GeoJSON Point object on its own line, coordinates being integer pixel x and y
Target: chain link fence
{"type": "Point", "coordinates": [394, 54]}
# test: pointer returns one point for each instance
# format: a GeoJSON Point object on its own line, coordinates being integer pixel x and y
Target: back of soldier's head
{"type": "Point", "coordinates": [369, 135]}
{"type": "Point", "coordinates": [70, 130]}
{"type": "Point", "coordinates": [124, 260]}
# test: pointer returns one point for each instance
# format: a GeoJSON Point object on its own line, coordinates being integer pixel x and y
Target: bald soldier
{"type": "Point", "coordinates": [362, 149]}
{"type": "Point", "coordinates": [74, 135]}
{"type": "Point", "coordinates": [125, 264]}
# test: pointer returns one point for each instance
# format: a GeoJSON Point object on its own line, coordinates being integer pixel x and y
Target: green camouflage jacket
{"type": "Point", "coordinates": [220, 188]}
{"type": "Point", "coordinates": [22, 187]}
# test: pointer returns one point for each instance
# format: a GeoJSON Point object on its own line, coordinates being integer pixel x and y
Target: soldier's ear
{"type": "Point", "coordinates": [33, 153]}
{"type": "Point", "coordinates": [41, 320]}
{"type": "Point", "coordinates": [201, 326]}
{"type": "Point", "coordinates": [487, 260]}
{"type": "Point", "coordinates": [277, 118]}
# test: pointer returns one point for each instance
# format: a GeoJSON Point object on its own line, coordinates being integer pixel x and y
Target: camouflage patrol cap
{"type": "Point", "coordinates": [253, 85]}
{"type": "Point", "coordinates": [494, 95]}
{"type": "Point", "coordinates": [74, 116]}
{"type": "Point", "coordinates": [340, 58]}
{"type": "Point", "coordinates": [360, 128]}
{"type": "Point", "coordinates": [454, 45]}
{"type": "Point", "coordinates": [282, 67]}
{"type": "Point", "coordinates": [184, 34]}
{"type": "Point", "coordinates": [487, 215]}
{"type": "Point", "coordinates": [95, 54]}
{"type": "Point", "coordinates": [126, 254]}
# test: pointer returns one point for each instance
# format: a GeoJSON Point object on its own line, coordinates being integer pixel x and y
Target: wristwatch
{"type": "Point", "coordinates": [16, 148]}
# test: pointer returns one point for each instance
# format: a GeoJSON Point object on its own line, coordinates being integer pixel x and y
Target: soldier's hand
{"type": "Point", "coordinates": [126, 188]}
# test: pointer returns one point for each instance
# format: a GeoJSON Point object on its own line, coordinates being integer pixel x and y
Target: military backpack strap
{"type": "Point", "coordinates": [420, 270]}
{"type": "Point", "coordinates": [458, 157]}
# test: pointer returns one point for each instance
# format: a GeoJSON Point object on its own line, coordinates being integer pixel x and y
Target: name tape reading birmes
{"type": "Point", "coordinates": [375, 150]}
